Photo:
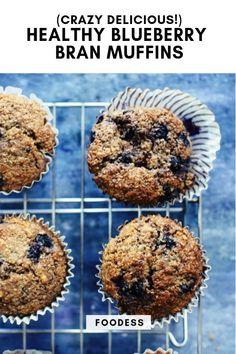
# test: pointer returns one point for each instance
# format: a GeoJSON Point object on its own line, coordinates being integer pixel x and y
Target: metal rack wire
{"type": "Point", "coordinates": [53, 209]}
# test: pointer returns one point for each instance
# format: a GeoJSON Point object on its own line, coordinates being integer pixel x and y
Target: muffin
{"type": "Point", "coordinates": [33, 266]}
{"type": "Point", "coordinates": [153, 267]}
{"type": "Point", "coordinates": [141, 155]}
{"type": "Point", "coordinates": [27, 141]}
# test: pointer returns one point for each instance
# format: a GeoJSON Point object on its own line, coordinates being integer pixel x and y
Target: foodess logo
{"type": "Point", "coordinates": [100, 323]}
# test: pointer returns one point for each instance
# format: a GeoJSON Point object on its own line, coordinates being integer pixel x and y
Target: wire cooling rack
{"type": "Point", "coordinates": [81, 206]}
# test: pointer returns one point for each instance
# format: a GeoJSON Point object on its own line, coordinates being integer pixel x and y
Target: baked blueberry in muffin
{"type": "Point", "coordinates": [141, 155]}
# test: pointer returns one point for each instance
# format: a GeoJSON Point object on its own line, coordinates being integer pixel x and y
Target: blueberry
{"type": "Point", "coordinates": [192, 128]}
{"type": "Point", "coordinates": [126, 158]}
{"type": "Point", "coordinates": [129, 134]}
{"type": "Point", "coordinates": [169, 242]}
{"type": "Point", "coordinates": [167, 189]}
{"type": "Point", "coordinates": [166, 241]}
{"type": "Point", "coordinates": [44, 240]}
{"type": "Point", "coordinates": [184, 288]}
{"type": "Point", "coordinates": [1, 261]}
{"type": "Point", "coordinates": [169, 193]}
{"type": "Point", "coordinates": [99, 119]}
{"type": "Point", "coordinates": [175, 163]}
{"type": "Point", "coordinates": [28, 150]}
{"type": "Point", "coordinates": [92, 136]}
{"type": "Point", "coordinates": [2, 182]}
{"type": "Point", "coordinates": [136, 289]}
{"type": "Point", "coordinates": [141, 163]}
{"type": "Point", "coordinates": [34, 252]}
{"type": "Point", "coordinates": [179, 165]}
{"type": "Point", "coordinates": [159, 131]}
{"type": "Point", "coordinates": [31, 134]}
{"type": "Point", "coordinates": [122, 286]}
{"type": "Point", "coordinates": [123, 125]}
{"type": "Point", "coordinates": [187, 287]}
{"type": "Point", "coordinates": [183, 137]}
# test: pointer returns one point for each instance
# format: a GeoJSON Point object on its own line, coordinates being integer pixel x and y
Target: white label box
{"type": "Point", "coordinates": [100, 323]}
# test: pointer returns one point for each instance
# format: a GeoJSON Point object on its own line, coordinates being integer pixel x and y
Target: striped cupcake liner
{"type": "Point", "coordinates": [48, 158]}
{"type": "Point", "coordinates": [65, 289]}
{"type": "Point", "coordinates": [199, 122]}
{"type": "Point", "coordinates": [188, 309]}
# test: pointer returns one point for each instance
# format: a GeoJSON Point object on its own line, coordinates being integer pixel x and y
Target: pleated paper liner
{"type": "Point", "coordinates": [48, 116]}
{"type": "Point", "coordinates": [165, 320]}
{"type": "Point", "coordinates": [65, 289]}
{"type": "Point", "coordinates": [198, 119]}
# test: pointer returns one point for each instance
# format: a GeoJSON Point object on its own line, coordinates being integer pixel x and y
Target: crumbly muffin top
{"type": "Point", "coordinates": [26, 140]}
{"type": "Point", "coordinates": [153, 267]}
{"type": "Point", "coordinates": [33, 266]}
{"type": "Point", "coordinates": [141, 155]}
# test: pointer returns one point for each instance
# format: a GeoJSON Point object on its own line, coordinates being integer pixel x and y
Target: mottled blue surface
{"type": "Point", "coordinates": [217, 91]}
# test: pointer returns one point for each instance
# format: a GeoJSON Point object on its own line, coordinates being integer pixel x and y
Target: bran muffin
{"type": "Point", "coordinates": [27, 141]}
{"type": "Point", "coordinates": [141, 155]}
{"type": "Point", "coordinates": [153, 267]}
{"type": "Point", "coordinates": [33, 266]}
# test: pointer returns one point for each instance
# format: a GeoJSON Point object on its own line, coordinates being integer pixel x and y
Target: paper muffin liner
{"type": "Point", "coordinates": [188, 309]}
{"type": "Point", "coordinates": [163, 351]}
{"type": "Point", "coordinates": [199, 122]}
{"type": "Point", "coordinates": [65, 289]}
{"type": "Point", "coordinates": [18, 92]}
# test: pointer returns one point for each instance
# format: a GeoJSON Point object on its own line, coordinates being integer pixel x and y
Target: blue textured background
{"type": "Point", "coordinates": [215, 90]}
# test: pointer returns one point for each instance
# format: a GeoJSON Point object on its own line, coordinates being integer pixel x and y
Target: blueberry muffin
{"type": "Point", "coordinates": [153, 267]}
{"type": "Point", "coordinates": [141, 155]}
{"type": "Point", "coordinates": [33, 266]}
{"type": "Point", "coordinates": [26, 141]}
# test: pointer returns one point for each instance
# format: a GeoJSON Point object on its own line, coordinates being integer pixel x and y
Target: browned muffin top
{"type": "Point", "coordinates": [33, 266]}
{"type": "Point", "coordinates": [141, 155]}
{"type": "Point", "coordinates": [153, 267]}
{"type": "Point", "coordinates": [26, 141]}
